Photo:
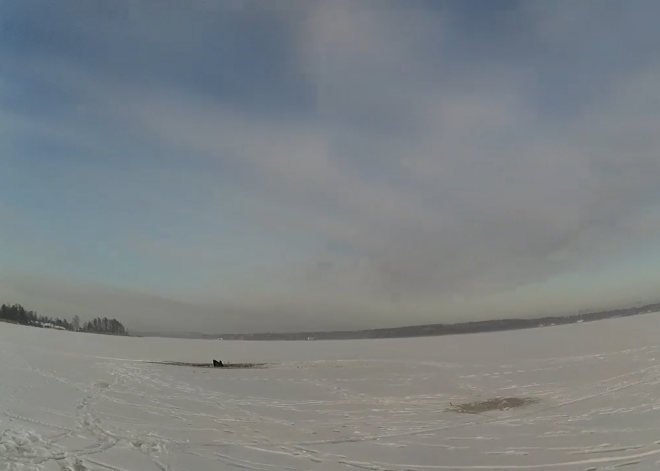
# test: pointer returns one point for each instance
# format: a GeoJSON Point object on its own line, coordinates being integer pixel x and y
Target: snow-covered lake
{"type": "Point", "coordinates": [71, 401]}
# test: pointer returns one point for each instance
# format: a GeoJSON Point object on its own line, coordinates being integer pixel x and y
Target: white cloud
{"type": "Point", "coordinates": [414, 188]}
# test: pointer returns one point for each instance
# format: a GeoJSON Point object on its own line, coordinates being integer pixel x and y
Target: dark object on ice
{"type": "Point", "coordinates": [217, 364]}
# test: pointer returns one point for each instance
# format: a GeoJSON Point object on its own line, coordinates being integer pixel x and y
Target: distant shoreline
{"type": "Point", "coordinates": [428, 330]}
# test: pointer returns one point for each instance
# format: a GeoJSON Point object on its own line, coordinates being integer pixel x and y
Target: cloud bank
{"type": "Point", "coordinates": [287, 165]}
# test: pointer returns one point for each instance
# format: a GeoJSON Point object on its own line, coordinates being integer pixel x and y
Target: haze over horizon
{"type": "Point", "coordinates": [251, 166]}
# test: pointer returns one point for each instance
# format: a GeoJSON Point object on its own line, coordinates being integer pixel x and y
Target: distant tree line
{"type": "Point", "coordinates": [18, 314]}
{"type": "Point", "coordinates": [104, 326]}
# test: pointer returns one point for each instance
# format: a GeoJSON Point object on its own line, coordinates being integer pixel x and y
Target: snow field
{"type": "Point", "coordinates": [71, 401]}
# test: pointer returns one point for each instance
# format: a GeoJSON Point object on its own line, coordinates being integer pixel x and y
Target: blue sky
{"type": "Point", "coordinates": [294, 165]}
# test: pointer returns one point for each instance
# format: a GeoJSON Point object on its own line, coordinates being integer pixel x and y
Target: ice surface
{"type": "Point", "coordinates": [72, 401]}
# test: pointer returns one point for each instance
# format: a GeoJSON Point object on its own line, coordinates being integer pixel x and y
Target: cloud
{"type": "Point", "coordinates": [354, 165]}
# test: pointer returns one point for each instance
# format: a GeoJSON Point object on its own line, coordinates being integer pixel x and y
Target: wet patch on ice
{"type": "Point", "coordinates": [226, 366]}
{"type": "Point", "coordinates": [497, 403]}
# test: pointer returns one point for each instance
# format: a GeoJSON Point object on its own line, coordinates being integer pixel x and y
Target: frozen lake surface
{"type": "Point", "coordinates": [71, 401]}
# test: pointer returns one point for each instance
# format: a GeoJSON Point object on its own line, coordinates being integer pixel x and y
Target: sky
{"type": "Point", "coordinates": [251, 166]}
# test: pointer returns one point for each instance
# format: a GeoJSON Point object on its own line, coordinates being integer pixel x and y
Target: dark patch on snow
{"type": "Point", "coordinates": [78, 466]}
{"type": "Point", "coordinates": [498, 403]}
{"type": "Point", "coordinates": [226, 366]}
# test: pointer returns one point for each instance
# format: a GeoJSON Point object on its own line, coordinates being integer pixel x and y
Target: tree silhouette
{"type": "Point", "coordinates": [19, 315]}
